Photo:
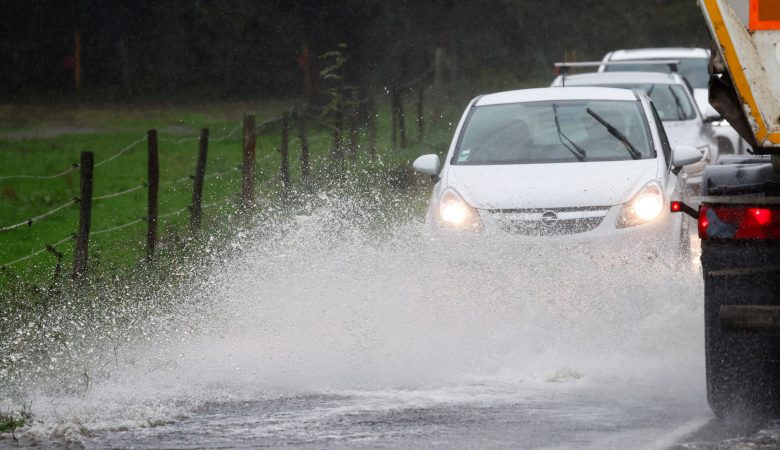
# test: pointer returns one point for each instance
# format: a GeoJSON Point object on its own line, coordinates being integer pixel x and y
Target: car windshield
{"type": "Point", "coordinates": [528, 133]}
{"type": "Point", "coordinates": [670, 100]}
{"type": "Point", "coordinates": [693, 69]}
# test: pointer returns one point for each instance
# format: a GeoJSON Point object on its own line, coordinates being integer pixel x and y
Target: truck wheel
{"type": "Point", "coordinates": [742, 368]}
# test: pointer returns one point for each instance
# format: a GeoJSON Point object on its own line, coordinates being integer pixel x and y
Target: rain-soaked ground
{"type": "Point", "coordinates": [332, 336]}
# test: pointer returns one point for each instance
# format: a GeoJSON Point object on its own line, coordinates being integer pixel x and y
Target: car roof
{"type": "Point", "coordinates": [658, 53]}
{"type": "Point", "coordinates": [587, 79]}
{"type": "Point", "coordinates": [558, 93]}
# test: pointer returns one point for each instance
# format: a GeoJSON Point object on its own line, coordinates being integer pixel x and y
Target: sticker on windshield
{"type": "Point", "coordinates": [464, 155]}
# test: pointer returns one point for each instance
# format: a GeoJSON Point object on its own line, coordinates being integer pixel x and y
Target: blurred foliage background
{"type": "Point", "coordinates": [230, 49]}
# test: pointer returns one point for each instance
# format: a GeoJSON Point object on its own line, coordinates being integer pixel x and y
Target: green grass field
{"type": "Point", "coordinates": [42, 141]}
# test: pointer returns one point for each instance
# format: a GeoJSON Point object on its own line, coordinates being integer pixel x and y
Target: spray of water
{"type": "Point", "coordinates": [334, 305]}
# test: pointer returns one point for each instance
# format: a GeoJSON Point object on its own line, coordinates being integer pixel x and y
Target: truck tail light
{"type": "Point", "coordinates": [740, 222]}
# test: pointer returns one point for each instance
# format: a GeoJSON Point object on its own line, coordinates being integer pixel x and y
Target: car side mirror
{"type": "Point", "coordinates": [710, 115]}
{"type": "Point", "coordinates": [428, 165]}
{"type": "Point", "coordinates": [685, 155]}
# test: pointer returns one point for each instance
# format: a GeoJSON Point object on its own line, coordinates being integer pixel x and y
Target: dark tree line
{"type": "Point", "coordinates": [237, 48]}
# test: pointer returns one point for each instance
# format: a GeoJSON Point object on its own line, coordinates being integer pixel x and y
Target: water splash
{"type": "Point", "coordinates": [330, 306]}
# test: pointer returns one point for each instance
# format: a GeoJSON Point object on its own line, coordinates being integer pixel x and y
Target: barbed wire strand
{"type": "Point", "coordinates": [23, 258]}
{"type": "Point", "coordinates": [227, 136]}
{"type": "Point", "coordinates": [219, 139]}
{"type": "Point", "coordinates": [118, 227]}
{"type": "Point", "coordinates": [104, 231]}
{"type": "Point", "coordinates": [120, 193]}
{"type": "Point", "coordinates": [72, 167]}
{"type": "Point", "coordinates": [42, 177]}
{"type": "Point", "coordinates": [37, 218]}
{"type": "Point", "coordinates": [180, 180]}
{"type": "Point", "coordinates": [120, 152]}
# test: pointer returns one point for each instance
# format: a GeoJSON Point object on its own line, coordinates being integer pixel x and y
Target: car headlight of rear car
{"type": "Point", "coordinates": [455, 212]}
{"type": "Point", "coordinates": [721, 123]}
{"type": "Point", "coordinates": [645, 207]}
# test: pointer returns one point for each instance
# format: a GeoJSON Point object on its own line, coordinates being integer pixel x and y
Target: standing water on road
{"type": "Point", "coordinates": [332, 333]}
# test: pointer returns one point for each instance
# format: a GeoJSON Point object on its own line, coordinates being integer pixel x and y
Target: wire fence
{"type": "Point", "coordinates": [29, 222]}
{"type": "Point", "coordinates": [74, 166]}
{"type": "Point", "coordinates": [33, 220]}
{"type": "Point", "coordinates": [36, 253]}
{"type": "Point", "coordinates": [120, 152]}
{"type": "Point", "coordinates": [255, 129]}
{"type": "Point", "coordinates": [41, 177]}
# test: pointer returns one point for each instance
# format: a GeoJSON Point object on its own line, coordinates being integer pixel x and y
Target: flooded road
{"type": "Point", "coordinates": [333, 336]}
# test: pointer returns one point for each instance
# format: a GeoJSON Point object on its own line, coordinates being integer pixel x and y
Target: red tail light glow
{"type": "Point", "coordinates": [740, 222]}
{"type": "Point", "coordinates": [703, 222]}
{"type": "Point", "coordinates": [762, 215]}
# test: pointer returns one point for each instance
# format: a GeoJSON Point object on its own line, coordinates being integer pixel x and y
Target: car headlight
{"type": "Point", "coordinates": [455, 212]}
{"type": "Point", "coordinates": [721, 123]}
{"type": "Point", "coordinates": [645, 207]}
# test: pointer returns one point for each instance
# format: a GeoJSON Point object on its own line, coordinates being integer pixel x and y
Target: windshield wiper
{"type": "Point", "coordinates": [577, 151]}
{"type": "Point", "coordinates": [680, 109]}
{"type": "Point", "coordinates": [635, 154]}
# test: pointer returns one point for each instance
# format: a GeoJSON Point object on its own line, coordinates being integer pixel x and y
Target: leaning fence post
{"type": "Point", "coordinates": [248, 166]}
{"type": "Point", "coordinates": [284, 166]}
{"type": "Point", "coordinates": [85, 214]}
{"type": "Point", "coordinates": [197, 183]}
{"type": "Point", "coordinates": [153, 181]}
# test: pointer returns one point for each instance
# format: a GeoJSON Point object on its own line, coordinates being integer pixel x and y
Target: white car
{"type": "Point", "coordinates": [560, 161]}
{"type": "Point", "coordinates": [694, 66]}
{"type": "Point", "coordinates": [675, 106]}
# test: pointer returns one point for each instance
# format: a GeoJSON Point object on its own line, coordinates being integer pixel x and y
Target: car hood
{"type": "Point", "coordinates": [521, 186]}
{"type": "Point", "coordinates": [683, 132]}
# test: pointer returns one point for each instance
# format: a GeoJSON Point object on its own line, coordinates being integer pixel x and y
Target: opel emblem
{"type": "Point", "coordinates": [549, 218]}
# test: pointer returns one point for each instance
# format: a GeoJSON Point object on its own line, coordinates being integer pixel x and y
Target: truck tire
{"type": "Point", "coordinates": [742, 368]}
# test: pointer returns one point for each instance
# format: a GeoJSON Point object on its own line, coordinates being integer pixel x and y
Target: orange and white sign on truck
{"type": "Point", "coordinates": [747, 36]}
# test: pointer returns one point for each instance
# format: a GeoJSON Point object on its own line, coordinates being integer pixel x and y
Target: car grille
{"type": "Point", "coordinates": [536, 222]}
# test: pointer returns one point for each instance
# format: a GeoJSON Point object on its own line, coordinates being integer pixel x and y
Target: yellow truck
{"type": "Point", "coordinates": [739, 214]}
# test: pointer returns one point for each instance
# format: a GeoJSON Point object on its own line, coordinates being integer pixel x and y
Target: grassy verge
{"type": "Point", "coordinates": [10, 422]}
{"type": "Point", "coordinates": [42, 141]}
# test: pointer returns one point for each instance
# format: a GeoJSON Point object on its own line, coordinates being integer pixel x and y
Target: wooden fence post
{"type": "Point", "coordinates": [284, 166]}
{"type": "Point", "coordinates": [304, 138]}
{"type": "Point", "coordinates": [248, 167]}
{"type": "Point", "coordinates": [85, 214]}
{"type": "Point", "coordinates": [197, 183]}
{"type": "Point", "coordinates": [153, 162]}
